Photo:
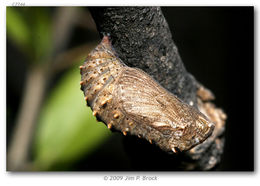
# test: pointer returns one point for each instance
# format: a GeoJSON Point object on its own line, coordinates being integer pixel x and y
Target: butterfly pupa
{"type": "Point", "coordinates": [130, 101]}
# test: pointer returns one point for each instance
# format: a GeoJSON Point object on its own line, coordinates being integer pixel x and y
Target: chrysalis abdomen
{"type": "Point", "coordinates": [129, 100]}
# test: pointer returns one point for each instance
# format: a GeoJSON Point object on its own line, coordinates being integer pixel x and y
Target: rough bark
{"type": "Point", "coordinates": [142, 39]}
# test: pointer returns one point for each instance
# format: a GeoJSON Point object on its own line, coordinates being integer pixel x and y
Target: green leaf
{"type": "Point", "coordinates": [31, 30]}
{"type": "Point", "coordinates": [17, 28]}
{"type": "Point", "coordinates": [41, 33]}
{"type": "Point", "coordinates": [67, 130]}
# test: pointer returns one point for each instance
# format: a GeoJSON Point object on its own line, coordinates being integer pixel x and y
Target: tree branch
{"type": "Point", "coordinates": [32, 99]}
{"type": "Point", "coordinates": [142, 39]}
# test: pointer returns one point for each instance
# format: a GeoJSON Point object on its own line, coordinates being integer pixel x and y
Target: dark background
{"type": "Point", "coordinates": [217, 46]}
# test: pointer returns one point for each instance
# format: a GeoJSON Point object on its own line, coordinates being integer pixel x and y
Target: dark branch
{"type": "Point", "coordinates": [142, 39]}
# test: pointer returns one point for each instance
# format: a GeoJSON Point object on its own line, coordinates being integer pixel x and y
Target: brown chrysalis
{"type": "Point", "coordinates": [129, 100]}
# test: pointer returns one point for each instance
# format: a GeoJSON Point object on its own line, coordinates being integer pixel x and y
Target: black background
{"type": "Point", "coordinates": [217, 46]}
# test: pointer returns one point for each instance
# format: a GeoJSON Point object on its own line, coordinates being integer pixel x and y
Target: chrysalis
{"type": "Point", "coordinates": [129, 100]}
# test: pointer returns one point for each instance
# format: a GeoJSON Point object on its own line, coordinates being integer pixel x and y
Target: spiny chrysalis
{"type": "Point", "coordinates": [129, 100]}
